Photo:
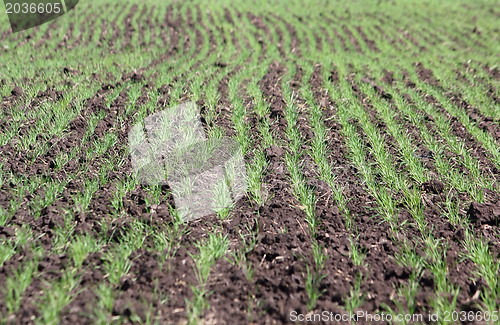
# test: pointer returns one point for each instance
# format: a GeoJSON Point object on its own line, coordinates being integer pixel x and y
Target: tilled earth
{"type": "Point", "coordinates": [283, 249]}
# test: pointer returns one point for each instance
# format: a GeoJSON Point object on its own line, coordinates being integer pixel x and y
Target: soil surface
{"type": "Point", "coordinates": [271, 283]}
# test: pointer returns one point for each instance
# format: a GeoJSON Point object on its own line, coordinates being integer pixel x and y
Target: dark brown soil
{"type": "Point", "coordinates": [484, 122]}
{"type": "Point", "coordinates": [370, 43]}
{"type": "Point", "coordinates": [493, 72]}
{"type": "Point", "coordinates": [352, 39]}
{"type": "Point", "coordinates": [484, 214]}
{"type": "Point", "coordinates": [272, 282]}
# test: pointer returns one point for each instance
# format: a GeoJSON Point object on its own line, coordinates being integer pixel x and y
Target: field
{"type": "Point", "coordinates": [371, 138]}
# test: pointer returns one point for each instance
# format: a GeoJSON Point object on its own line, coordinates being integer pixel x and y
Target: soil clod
{"type": "Point", "coordinates": [484, 213]}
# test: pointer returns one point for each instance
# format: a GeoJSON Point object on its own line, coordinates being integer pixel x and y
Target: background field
{"type": "Point", "coordinates": [371, 132]}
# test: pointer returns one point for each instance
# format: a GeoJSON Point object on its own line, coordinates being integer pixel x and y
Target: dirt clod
{"type": "Point", "coordinates": [484, 213]}
{"type": "Point", "coordinates": [17, 91]}
{"type": "Point", "coordinates": [133, 76]}
{"type": "Point", "coordinates": [70, 71]}
{"type": "Point", "coordinates": [433, 187]}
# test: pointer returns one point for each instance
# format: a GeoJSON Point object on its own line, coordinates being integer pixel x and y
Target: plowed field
{"type": "Point", "coordinates": [371, 137]}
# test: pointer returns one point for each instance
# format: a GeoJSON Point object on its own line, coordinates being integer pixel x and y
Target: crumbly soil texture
{"type": "Point", "coordinates": [122, 256]}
